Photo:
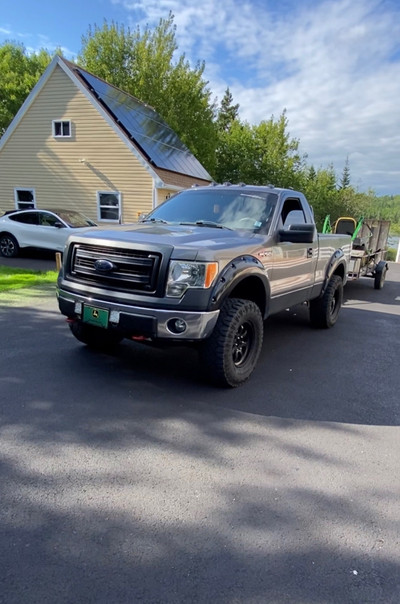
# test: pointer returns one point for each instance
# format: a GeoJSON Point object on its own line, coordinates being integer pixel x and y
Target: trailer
{"type": "Point", "coordinates": [369, 246]}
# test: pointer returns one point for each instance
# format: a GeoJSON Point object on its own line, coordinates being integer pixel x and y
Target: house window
{"type": "Point", "coordinates": [24, 199]}
{"type": "Point", "coordinates": [109, 206]}
{"type": "Point", "coordinates": [61, 128]}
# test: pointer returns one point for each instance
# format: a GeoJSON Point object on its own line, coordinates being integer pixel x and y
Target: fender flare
{"type": "Point", "coordinates": [233, 274]}
{"type": "Point", "coordinates": [337, 259]}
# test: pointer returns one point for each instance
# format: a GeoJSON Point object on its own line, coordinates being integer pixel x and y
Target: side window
{"type": "Point", "coordinates": [46, 219]}
{"type": "Point", "coordinates": [292, 213]}
{"type": "Point", "coordinates": [24, 198]}
{"type": "Point", "coordinates": [25, 217]}
{"type": "Point", "coordinates": [109, 206]}
{"type": "Point", "coordinates": [294, 217]}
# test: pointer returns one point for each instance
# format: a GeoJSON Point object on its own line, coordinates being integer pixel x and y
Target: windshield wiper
{"type": "Point", "coordinates": [206, 223]}
{"type": "Point", "coordinates": [154, 220]}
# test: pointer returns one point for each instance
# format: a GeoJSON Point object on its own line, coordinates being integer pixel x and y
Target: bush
{"type": "Point", "coordinates": [391, 254]}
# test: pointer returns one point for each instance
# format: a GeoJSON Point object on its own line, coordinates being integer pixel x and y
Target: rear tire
{"type": "Point", "coordinates": [9, 247]}
{"type": "Point", "coordinates": [95, 337]}
{"type": "Point", "coordinates": [231, 353]}
{"type": "Point", "coordinates": [324, 311]}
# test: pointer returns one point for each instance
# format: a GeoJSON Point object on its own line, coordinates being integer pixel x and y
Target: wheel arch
{"type": "Point", "coordinates": [243, 278]}
{"type": "Point", "coordinates": [337, 265]}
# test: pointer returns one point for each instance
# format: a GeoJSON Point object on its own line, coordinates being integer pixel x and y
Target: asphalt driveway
{"type": "Point", "coordinates": [127, 478]}
{"type": "Point", "coordinates": [38, 260]}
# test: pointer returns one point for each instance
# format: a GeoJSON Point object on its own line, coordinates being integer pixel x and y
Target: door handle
{"type": "Point", "coordinates": [309, 252]}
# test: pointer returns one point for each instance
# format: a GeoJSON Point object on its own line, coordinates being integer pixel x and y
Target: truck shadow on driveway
{"type": "Point", "coordinates": [344, 374]}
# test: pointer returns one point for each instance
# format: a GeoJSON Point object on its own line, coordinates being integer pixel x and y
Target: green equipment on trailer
{"type": "Point", "coordinates": [369, 246]}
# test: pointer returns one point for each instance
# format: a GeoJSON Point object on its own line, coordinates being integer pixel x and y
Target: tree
{"type": "Point", "coordinates": [19, 73]}
{"type": "Point", "coordinates": [142, 63]}
{"type": "Point", "coordinates": [259, 154]}
{"type": "Point", "coordinates": [345, 179]}
{"type": "Point", "coordinates": [228, 112]}
{"type": "Point", "coordinates": [319, 187]}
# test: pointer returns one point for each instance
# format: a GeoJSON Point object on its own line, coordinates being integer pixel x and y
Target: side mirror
{"type": "Point", "coordinates": [59, 225]}
{"type": "Point", "coordinates": [298, 233]}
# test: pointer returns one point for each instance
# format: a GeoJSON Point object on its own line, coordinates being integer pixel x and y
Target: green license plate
{"type": "Point", "coordinates": [95, 316]}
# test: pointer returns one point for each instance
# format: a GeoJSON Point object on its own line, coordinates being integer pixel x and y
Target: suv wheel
{"type": "Point", "coordinates": [9, 247]}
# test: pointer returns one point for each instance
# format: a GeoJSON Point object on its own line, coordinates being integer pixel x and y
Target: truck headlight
{"type": "Point", "coordinates": [183, 275]}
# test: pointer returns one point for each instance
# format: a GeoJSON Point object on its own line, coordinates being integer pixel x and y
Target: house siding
{"type": "Point", "coordinates": [32, 158]}
{"type": "Point", "coordinates": [181, 181]}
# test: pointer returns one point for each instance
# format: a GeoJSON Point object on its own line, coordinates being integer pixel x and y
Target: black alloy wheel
{"type": "Point", "coordinates": [231, 353]}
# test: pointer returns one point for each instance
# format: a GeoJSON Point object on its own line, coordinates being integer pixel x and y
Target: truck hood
{"type": "Point", "coordinates": [186, 242]}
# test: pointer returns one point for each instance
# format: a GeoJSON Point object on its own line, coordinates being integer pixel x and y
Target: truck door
{"type": "Point", "coordinates": [293, 263]}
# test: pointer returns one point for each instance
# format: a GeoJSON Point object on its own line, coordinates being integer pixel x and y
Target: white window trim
{"type": "Point", "coordinates": [17, 201]}
{"type": "Point", "coordinates": [61, 135]}
{"type": "Point", "coordinates": [118, 194]}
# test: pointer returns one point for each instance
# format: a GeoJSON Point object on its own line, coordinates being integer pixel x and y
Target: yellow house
{"type": "Point", "coordinates": [81, 144]}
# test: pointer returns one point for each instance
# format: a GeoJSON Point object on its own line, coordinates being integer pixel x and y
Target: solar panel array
{"type": "Point", "coordinates": [158, 141]}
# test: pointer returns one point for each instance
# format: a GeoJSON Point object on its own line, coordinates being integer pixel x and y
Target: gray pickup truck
{"type": "Point", "coordinates": [205, 268]}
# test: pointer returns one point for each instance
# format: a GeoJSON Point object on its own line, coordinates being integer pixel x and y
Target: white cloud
{"type": "Point", "coordinates": [332, 64]}
{"type": "Point", "coordinates": [36, 42]}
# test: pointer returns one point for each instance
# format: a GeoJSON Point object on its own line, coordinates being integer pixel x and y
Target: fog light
{"type": "Point", "coordinates": [78, 308]}
{"type": "Point", "coordinates": [176, 326]}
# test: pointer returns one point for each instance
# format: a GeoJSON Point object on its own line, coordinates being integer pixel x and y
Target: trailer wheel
{"type": "Point", "coordinates": [231, 353]}
{"type": "Point", "coordinates": [95, 337]}
{"type": "Point", "coordinates": [324, 311]}
{"type": "Point", "coordinates": [380, 275]}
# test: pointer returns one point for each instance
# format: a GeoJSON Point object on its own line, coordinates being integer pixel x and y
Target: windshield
{"type": "Point", "coordinates": [75, 219]}
{"type": "Point", "coordinates": [249, 209]}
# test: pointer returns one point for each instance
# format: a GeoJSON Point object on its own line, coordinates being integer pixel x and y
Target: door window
{"type": "Point", "coordinates": [292, 213]}
{"type": "Point", "coordinates": [46, 219]}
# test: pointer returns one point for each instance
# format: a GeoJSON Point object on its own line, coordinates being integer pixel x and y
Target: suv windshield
{"type": "Point", "coordinates": [75, 219]}
{"type": "Point", "coordinates": [249, 209]}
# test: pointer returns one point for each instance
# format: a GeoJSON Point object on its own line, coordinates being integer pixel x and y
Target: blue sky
{"type": "Point", "coordinates": [334, 65]}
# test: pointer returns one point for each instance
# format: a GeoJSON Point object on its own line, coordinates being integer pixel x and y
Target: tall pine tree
{"type": "Point", "coordinates": [227, 113]}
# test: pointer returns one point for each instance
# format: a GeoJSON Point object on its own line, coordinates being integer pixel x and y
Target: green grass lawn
{"type": "Point", "coordinates": [20, 278]}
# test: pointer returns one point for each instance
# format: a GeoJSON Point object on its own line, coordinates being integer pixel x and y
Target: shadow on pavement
{"type": "Point", "coordinates": [126, 477]}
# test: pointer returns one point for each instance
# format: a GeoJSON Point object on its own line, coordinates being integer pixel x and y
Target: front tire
{"type": "Point", "coordinates": [96, 338]}
{"type": "Point", "coordinates": [231, 353]}
{"type": "Point", "coordinates": [9, 247]}
{"type": "Point", "coordinates": [324, 311]}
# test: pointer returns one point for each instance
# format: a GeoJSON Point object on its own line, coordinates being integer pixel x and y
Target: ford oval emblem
{"type": "Point", "coordinates": [104, 266]}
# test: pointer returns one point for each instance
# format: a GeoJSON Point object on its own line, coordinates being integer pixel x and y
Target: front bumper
{"type": "Point", "coordinates": [139, 321]}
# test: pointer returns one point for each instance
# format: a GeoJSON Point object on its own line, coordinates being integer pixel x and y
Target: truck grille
{"type": "Point", "coordinates": [132, 270]}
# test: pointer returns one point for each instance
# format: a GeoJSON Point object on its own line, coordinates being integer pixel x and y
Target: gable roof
{"type": "Point", "coordinates": [137, 124]}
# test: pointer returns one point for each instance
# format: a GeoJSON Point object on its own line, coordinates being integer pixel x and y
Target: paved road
{"type": "Point", "coordinates": [126, 478]}
{"type": "Point", "coordinates": [39, 260]}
